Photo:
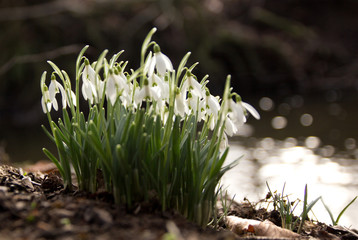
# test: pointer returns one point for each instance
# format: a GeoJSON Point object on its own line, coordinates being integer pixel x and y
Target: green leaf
{"type": "Point", "coordinates": [100, 59]}
{"type": "Point", "coordinates": [48, 133]}
{"type": "Point", "coordinates": [329, 212]}
{"type": "Point", "coordinates": [114, 58]}
{"type": "Point", "coordinates": [79, 59]}
{"type": "Point", "coordinates": [146, 44]}
{"type": "Point", "coordinates": [57, 70]}
{"type": "Point", "coordinates": [181, 67]}
{"type": "Point", "coordinates": [54, 160]}
{"type": "Point", "coordinates": [344, 209]}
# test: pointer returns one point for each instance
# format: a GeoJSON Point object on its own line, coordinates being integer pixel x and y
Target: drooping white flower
{"type": "Point", "coordinates": [230, 127]}
{"type": "Point", "coordinates": [53, 90]}
{"type": "Point", "coordinates": [100, 90]}
{"type": "Point", "coordinates": [156, 81]}
{"type": "Point", "coordinates": [111, 89]}
{"type": "Point", "coordinates": [236, 116]}
{"type": "Point", "coordinates": [89, 90]}
{"type": "Point", "coordinates": [92, 85]}
{"type": "Point", "coordinates": [212, 104]}
{"type": "Point", "coordinates": [116, 86]}
{"type": "Point", "coordinates": [180, 105]}
{"type": "Point", "coordinates": [148, 63]}
{"type": "Point", "coordinates": [193, 101]}
{"type": "Point", "coordinates": [45, 100]}
{"type": "Point", "coordinates": [49, 96]}
{"type": "Point", "coordinates": [160, 62]}
{"type": "Point", "coordinates": [251, 110]}
{"type": "Point", "coordinates": [146, 92]}
{"type": "Point", "coordinates": [224, 143]}
{"type": "Point", "coordinates": [212, 108]}
{"type": "Point", "coordinates": [190, 84]}
{"type": "Point", "coordinates": [236, 113]}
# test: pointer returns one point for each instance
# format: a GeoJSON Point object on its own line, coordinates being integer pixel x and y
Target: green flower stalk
{"type": "Point", "coordinates": [141, 131]}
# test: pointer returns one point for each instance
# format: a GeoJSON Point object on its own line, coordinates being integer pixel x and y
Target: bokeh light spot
{"type": "Point", "coordinates": [350, 143]}
{"type": "Point", "coordinates": [306, 119]}
{"type": "Point", "coordinates": [327, 151]}
{"type": "Point", "coordinates": [279, 122]}
{"type": "Point", "coordinates": [290, 142]}
{"type": "Point", "coordinates": [268, 143]}
{"type": "Point", "coordinates": [266, 104]}
{"type": "Point", "coordinates": [260, 154]}
{"type": "Point", "coordinates": [312, 142]}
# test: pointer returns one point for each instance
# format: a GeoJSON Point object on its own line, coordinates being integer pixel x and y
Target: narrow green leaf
{"type": "Point", "coordinates": [57, 70]}
{"type": "Point", "coordinates": [48, 133]}
{"type": "Point", "coordinates": [344, 209]}
{"type": "Point", "coordinates": [329, 212]}
{"type": "Point", "coordinates": [54, 160]}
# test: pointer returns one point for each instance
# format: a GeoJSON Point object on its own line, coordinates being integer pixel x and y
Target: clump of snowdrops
{"type": "Point", "coordinates": [151, 132]}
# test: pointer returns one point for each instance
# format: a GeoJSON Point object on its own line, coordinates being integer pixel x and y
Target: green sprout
{"type": "Point", "coordinates": [335, 221]}
{"type": "Point", "coordinates": [286, 209]}
{"type": "Point", "coordinates": [141, 130]}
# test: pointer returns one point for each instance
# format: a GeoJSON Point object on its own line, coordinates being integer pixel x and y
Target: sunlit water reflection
{"type": "Point", "coordinates": [279, 162]}
{"type": "Point", "coordinates": [318, 146]}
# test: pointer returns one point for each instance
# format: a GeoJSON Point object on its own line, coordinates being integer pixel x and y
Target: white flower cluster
{"type": "Point", "coordinates": [156, 87]}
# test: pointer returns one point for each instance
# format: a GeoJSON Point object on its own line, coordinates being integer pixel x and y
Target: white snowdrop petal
{"type": "Point", "coordinates": [230, 127]}
{"type": "Point", "coordinates": [52, 89]}
{"type": "Point", "coordinates": [251, 110]}
{"type": "Point", "coordinates": [54, 104]}
{"type": "Point", "coordinates": [168, 63]}
{"type": "Point", "coordinates": [44, 109]}
{"type": "Point", "coordinates": [160, 63]}
{"type": "Point", "coordinates": [151, 66]}
{"type": "Point", "coordinates": [73, 96]}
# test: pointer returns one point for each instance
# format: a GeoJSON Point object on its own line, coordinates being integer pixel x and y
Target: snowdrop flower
{"type": "Point", "coordinates": [237, 115]}
{"type": "Point", "coordinates": [193, 101]}
{"type": "Point", "coordinates": [89, 90]}
{"type": "Point", "coordinates": [250, 109]}
{"type": "Point", "coordinates": [190, 84]}
{"type": "Point", "coordinates": [100, 89]}
{"type": "Point", "coordinates": [116, 86]}
{"type": "Point", "coordinates": [160, 62]}
{"type": "Point", "coordinates": [230, 127]}
{"type": "Point", "coordinates": [224, 143]}
{"type": "Point", "coordinates": [239, 111]}
{"type": "Point", "coordinates": [212, 104]}
{"type": "Point", "coordinates": [212, 108]}
{"type": "Point", "coordinates": [147, 64]}
{"type": "Point", "coordinates": [146, 92]}
{"type": "Point", "coordinates": [49, 96]}
{"type": "Point", "coordinates": [45, 100]}
{"type": "Point", "coordinates": [180, 106]}
{"type": "Point", "coordinates": [156, 81]}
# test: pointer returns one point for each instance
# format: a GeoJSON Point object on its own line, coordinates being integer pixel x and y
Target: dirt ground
{"type": "Point", "coordinates": [35, 206]}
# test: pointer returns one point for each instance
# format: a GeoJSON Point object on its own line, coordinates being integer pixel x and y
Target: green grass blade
{"type": "Point", "coordinates": [54, 160]}
{"type": "Point", "coordinates": [329, 212]}
{"type": "Point", "coordinates": [344, 209]}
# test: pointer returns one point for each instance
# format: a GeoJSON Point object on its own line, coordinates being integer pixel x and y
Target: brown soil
{"type": "Point", "coordinates": [35, 206]}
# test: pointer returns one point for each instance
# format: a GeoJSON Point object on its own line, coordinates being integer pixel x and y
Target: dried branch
{"type": "Point", "coordinates": [74, 48]}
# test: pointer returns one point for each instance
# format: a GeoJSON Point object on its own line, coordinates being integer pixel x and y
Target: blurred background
{"type": "Point", "coordinates": [296, 61]}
